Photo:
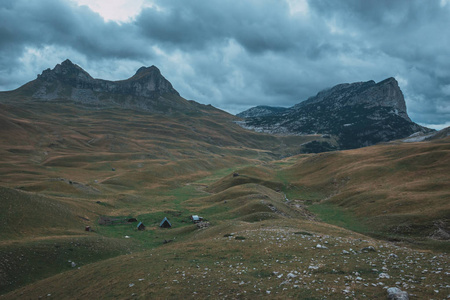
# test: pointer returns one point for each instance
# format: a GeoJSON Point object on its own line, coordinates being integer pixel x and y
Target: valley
{"type": "Point", "coordinates": [281, 222]}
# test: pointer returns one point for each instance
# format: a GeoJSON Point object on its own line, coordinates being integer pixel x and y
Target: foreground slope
{"type": "Point", "coordinates": [264, 260]}
{"type": "Point", "coordinates": [263, 243]}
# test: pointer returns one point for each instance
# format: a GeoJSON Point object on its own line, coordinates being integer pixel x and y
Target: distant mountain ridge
{"type": "Point", "coordinates": [147, 89]}
{"type": "Point", "coordinates": [260, 111]}
{"type": "Point", "coordinates": [346, 115]}
{"type": "Point", "coordinates": [359, 114]}
{"type": "Point", "coordinates": [147, 82]}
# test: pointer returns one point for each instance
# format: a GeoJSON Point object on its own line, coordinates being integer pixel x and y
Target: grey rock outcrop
{"type": "Point", "coordinates": [397, 294]}
{"type": "Point", "coordinates": [147, 89]}
{"type": "Point", "coordinates": [260, 111]}
{"type": "Point", "coordinates": [358, 114]}
{"type": "Point", "coordinates": [147, 82]}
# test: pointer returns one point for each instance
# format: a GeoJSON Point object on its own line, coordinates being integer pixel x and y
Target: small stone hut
{"type": "Point", "coordinates": [165, 223]}
{"type": "Point", "coordinates": [140, 226]}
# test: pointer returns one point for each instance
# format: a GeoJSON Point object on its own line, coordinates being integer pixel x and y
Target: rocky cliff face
{"type": "Point", "coordinates": [260, 111]}
{"type": "Point", "coordinates": [359, 114]}
{"type": "Point", "coordinates": [147, 89]}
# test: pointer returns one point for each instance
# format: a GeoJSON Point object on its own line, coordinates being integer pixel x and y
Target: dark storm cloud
{"type": "Point", "coordinates": [51, 22]}
{"type": "Point", "coordinates": [413, 38]}
{"type": "Point", "coordinates": [195, 24]}
{"type": "Point", "coordinates": [237, 54]}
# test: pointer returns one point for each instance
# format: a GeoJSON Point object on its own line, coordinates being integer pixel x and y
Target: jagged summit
{"type": "Point", "coordinates": [146, 70]}
{"type": "Point", "coordinates": [147, 89]}
{"type": "Point", "coordinates": [359, 114]}
{"type": "Point", "coordinates": [147, 82]}
{"type": "Point", "coordinates": [65, 70]}
{"type": "Point", "coordinates": [385, 93]}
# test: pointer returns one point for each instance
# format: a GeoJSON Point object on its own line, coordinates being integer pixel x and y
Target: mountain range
{"type": "Point", "coordinates": [358, 114]}
{"type": "Point", "coordinates": [353, 115]}
{"type": "Point", "coordinates": [82, 159]}
{"type": "Point", "coordinates": [146, 90]}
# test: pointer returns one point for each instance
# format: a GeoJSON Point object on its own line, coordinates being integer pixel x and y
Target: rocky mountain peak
{"type": "Point", "coordinates": [359, 114]}
{"type": "Point", "coordinates": [386, 93]}
{"type": "Point", "coordinates": [147, 70]}
{"type": "Point", "coordinates": [148, 80]}
{"type": "Point", "coordinates": [65, 71]}
{"type": "Point", "coordinates": [68, 80]}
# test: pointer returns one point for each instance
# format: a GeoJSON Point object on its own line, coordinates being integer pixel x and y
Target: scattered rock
{"type": "Point", "coordinates": [384, 275]}
{"type": "Point", "coordinates": [203, 225]}
{"type": "Point", "coordinates": [73, 264]}
{"type": "Point", "coordinates": [291, 275]}
{"type": "Point", "coordinates": [319, 246]}
{"type": "Point", "coordinates": [369, 249]}
{"type": "Point", "coordinates": [397, 294]}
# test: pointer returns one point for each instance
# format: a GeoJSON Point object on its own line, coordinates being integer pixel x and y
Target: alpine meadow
{"type": "Point", "coordinates": [85, 162]}
{"type": "Point", "coordinates": [290, 149]}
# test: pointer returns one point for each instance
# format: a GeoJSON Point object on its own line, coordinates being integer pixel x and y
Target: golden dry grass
{"type": "Point", "coordinates": [62, 167]}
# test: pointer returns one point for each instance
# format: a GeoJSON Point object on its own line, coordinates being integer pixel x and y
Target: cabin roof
{"type": "Point", "coordinates": [165, 220]}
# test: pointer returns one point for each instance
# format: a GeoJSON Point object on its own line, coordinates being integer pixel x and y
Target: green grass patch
{"type": "Point", "coordinates": [216, 176]}
{"type": "Point", "coordinates": [26, 262]}
{"type": "Point", "coordinates": [337, 216]}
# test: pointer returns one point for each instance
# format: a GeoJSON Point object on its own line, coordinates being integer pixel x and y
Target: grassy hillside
{"type": "Point", "coordinates": [247, 260]}
{"type": "Point", "coordinates": [399, 191]}
{"type": "Point", "coordinates": [64, 167]}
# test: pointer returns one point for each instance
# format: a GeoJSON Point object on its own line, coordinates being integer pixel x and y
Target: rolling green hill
{"type": "Point", "coordinates": [279, 223]}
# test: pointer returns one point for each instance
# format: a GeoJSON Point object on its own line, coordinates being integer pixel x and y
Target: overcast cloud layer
{"type": "Point", "coordinates": [238, 54]}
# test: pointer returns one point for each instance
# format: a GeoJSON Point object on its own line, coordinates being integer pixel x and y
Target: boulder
{"type": "Point", "coordinates": [397, 294]}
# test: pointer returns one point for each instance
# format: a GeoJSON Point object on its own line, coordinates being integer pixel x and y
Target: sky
{"type": "Point", "coordinates": [239, 54]}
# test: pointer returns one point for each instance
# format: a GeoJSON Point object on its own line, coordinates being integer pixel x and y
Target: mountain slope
{"type": "Point", "coordinates": [359, 114]}
{"type": "Point", "coordinates": [260, 244]}
{"type": "Point", "coordinates": [261, 111]}
{"type": "Point", "coordinates": [146, 90]}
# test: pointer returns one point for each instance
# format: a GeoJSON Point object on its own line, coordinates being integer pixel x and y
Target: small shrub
{"type": "Point", "coordinates": [304, 233]}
